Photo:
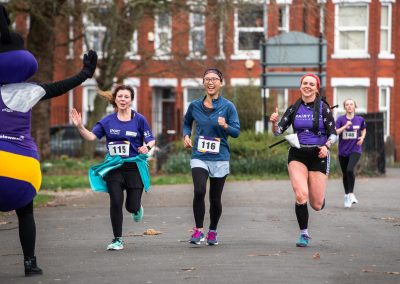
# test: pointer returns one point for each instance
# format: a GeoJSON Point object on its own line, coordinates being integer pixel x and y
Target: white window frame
{"type": "Point", "coordinates": [134, 47]}
{"type": "Point", "coordinates": [89, 29]}
{"type": "Point", "coordinates": [363, 82]}
{"type": "Point", "coordinates": [160, 54]}
{"type": "Point", "coordinates": [387, 54]}
{"type": "Point", "coordinates": [88, 86]}
{"type": "Point", "coordinates": [385, 84]}
{"type": "Point", "coordinates": [70, 54]}
{"type": "Point", "coordinates": [197, 9]}
{"type": "Point", "coordinates": [245, 54]}
{"type": "Point", "coordinates": [359, 53]}
{"type": "Point", "coordinates": [221, 42]}
{"type": "Point", "coordinates": [286, 9]}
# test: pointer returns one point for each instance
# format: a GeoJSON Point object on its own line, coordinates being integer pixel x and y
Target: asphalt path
{"type": "Point", "coordinates": [257, 235]}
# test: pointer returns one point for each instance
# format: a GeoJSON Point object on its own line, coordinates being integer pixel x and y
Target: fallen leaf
{"type": "Point", "coordinates": [151, 232]}
{"type": "Point", "coordinates": [316, 255]}
{"type": "Point", "coordinates": [189, 269]}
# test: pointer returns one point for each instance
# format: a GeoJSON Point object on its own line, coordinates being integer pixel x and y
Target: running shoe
{"type": "Point", "coordinates": [138, 216]}
{"type": "Point", "coordinates": [353, 198]}
{"type": "Point", "coordinates": [116, 244]}
{"type": "Point", "coordinates": [303, 240]}
{"type": "Point", "coordinates": [347, 201]}
{"type": "Point", "coordinates": [212, 238]}
{"type": "Point", "coordinates": [197, 237]}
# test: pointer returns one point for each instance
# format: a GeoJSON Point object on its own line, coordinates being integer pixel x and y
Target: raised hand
{"type": "Point", "coordinates": [89, 63]}
{"type": "Point", "coordinates": [222, 122]}
{"type": "Point", "coordinates": [76, 117]}
{"type": "Point", "coordinates": [274, 116]}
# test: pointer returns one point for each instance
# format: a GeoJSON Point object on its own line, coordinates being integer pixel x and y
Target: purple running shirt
{"type": "Point", "coordinates": [134, 131]}
{"type": "Point", "coordinates": [349, 137]}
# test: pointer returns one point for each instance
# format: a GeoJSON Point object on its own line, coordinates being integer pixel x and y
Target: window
{"type": "Point", "coordinates": [134, 83]}
{"type": "Point", "coordinates": [283, 17]}
{"type": "Point", "coordinates": [89, 95]}
{"type": "Point", "coordinates": [94, 36]}
{"type": "Point", "coordinates": [386, 31]}
{"type": "Point", "coordinates": [70, 54]}
{"type": "Point", "coordinates": [191, 94]}
{"type": "Point", "coordinates": [249, 31]}
{"type": "Point", "coordinates": [384, 107]}
{"type": "Point", "coordinates": [192, 89]}
{"type": "Point", "coordinates": [359, 94]}
{"type": "Point", "coordinates": [197, 32]}
{"type": "Point", "coordinates": [163, 35]}
{"type": "Point", "coordinates": [385, 85]}
{"type": "Point", "coordinates": [351, 30]}
{"type": "Point", "coordinates": [133, 51]}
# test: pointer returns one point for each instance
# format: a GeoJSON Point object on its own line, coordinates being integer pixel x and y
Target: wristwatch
{"type": "Point", "coordinates": [148, 147]}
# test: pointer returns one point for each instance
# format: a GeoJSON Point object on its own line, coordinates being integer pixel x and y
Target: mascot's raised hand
{"type": "Point", "coordinates": [20, 175]}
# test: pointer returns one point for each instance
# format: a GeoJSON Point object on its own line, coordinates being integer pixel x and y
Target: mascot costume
{"type": "Point", "coordinates": [20, 175]}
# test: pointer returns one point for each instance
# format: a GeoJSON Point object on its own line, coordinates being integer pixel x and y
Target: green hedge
{"type": "Point", "coordinates": [250, 155]}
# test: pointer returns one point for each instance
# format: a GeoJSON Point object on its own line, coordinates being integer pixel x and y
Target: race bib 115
{"type": "Point", "coordinates": [119, 148]}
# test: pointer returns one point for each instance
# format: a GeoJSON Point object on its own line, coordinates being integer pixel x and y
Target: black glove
{"type": "Point", "coordinates": [89, 63]}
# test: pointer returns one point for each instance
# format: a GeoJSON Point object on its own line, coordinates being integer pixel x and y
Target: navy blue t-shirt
{"type": "Point", "coordinates": [134, 131]}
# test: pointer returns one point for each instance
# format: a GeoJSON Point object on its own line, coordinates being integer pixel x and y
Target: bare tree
{"type": "Point", "coordinates": [41, 42]}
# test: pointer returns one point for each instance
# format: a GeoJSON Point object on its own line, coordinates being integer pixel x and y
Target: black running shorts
{"type": "Point", "coordinates": [309, 157]}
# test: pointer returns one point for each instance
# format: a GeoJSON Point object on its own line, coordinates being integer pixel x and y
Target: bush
{"type": "Point", "coordinates": [177, 163]}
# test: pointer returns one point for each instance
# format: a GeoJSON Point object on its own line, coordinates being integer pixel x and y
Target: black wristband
{"type": "Point", "coordinates": [327, 147]}
{"type": "Point", "coordinates": [148, 147]}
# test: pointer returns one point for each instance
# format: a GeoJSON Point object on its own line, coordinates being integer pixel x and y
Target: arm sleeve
{"type": "Point", "coordinates": [147, 134]}
{"type": "Point", "coordinates": [285, 121]}
{"type": "Point", "coordinates": [98, 130]}
{"type": "Point", "coordinates": [58, 88]}
{"type": "Point", "coordinates": [329, 121]}
{"type": "Point", "coordinates": [233, 122]}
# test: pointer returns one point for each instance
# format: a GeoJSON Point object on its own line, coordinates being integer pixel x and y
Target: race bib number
{"type": "Point", "coordinates": [208, 145]}
{"type": "Point", "coordinates": [119, 148]}
{"type": "Point", "coordinates": [349, 135]}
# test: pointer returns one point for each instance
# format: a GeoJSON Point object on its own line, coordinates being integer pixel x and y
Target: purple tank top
{"type": "Point", "coordinates": [15, 130]}
{"type": "Point", "coordinates": [303, 126]}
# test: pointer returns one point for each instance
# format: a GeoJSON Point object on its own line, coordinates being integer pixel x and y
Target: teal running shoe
{"type": "Point", "coordinates": [303, 241]}
{"type": "Point", "coordinates": [116, 244]}
{"type": "Point", "coordinates": [138, 216]}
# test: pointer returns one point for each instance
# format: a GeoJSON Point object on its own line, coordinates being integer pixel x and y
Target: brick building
{"type": "Point", "coordinates": [363, 54]}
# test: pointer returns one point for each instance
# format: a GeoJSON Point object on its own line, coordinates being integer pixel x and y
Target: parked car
{"type": "Point", "coordinates": [66, 140]}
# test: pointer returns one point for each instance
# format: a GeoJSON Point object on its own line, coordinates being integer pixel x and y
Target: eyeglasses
{"type": "Point", "coordinates": [213, 79]}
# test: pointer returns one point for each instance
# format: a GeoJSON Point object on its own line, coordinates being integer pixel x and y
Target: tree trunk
{"type": "Point", "coordinates": [41, 43]}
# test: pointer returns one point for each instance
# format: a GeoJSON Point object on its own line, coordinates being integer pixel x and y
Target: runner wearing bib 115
{"type": "Point", "coordinates": [128, 135]}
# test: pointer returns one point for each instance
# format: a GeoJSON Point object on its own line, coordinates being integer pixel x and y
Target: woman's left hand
{"type": "Point", "coordinates": [360, 141]}
{"type": "Point", "coordinates": [323, 152]}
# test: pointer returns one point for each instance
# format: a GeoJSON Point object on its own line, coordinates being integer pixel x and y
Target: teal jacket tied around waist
{"type": "Point", "coordinates": [97, 172]}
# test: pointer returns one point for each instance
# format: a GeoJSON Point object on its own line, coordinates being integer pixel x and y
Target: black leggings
{"type": "Point", "coordinates": [347, 164]}
{"type": "Point", "coordinates": [27, 229]}
{"type": "Point", "coordinates": [126, 177]}
{"type": "Point", "coordinates": [200, 177]}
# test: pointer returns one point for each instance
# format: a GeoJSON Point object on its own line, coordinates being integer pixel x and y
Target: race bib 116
{"type": "Point", "coordinates": [208, 145]}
